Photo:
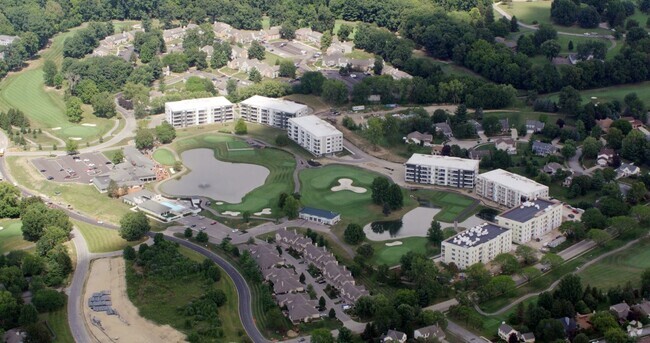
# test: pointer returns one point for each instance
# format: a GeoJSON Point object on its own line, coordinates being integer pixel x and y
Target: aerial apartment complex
{"type": "Point", "coordinates": [532, 219]}
{"type": "Point", "coordinates": [199, 111]}
{"type": "Point", "coordinates": [441, 170]}
{"type": "Point", "coordinates": [507, 188]}
{"type": "Point", "coordinates": [478, 244]}
{"type": "Point", "coordinates": [315, 135]}
{"type": "Point", "coordinates": [270, 111]}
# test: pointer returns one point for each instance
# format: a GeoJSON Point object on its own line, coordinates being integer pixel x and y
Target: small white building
{"type": "Point", "coordinates": [193, 112]}
{"type": "Point", "coordinates": [315, 135]}
{"type": "Point", "coordinates": [532, 219]}
{"type": "Point", "coordinates": [481, 243]}
{"type": "Point", "coordinates": [271, 111]}
{"type": "Point", "coordinates": [507, 188]}
{"type": "Point", "coordinates": [441, 170]}
{"type": "Point", "coordinates": [319, 216]}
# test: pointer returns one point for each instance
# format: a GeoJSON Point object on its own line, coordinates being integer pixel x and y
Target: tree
{"type": "Point", "coordinates": [231, 86]}
{"type": "Point", "coordinates": [48, 300]}
{"type": "Point", "coordinates": [118, 157]}
{"type": "Point", "coordinates": [165, 133]}
{"type": "Point", "coordinates": [374, 130]}
{"type": "Point", "coordinates": [634, 146]}
{"type": "Point", "coordinates": [49, 72]}
{"type": "Point", "coordinates": [254, 75]}
{"type": "Point", "coordinates": [291, 207]}
{"type": "Point", "coordinates": [73, 109]}
{"type": "Point", "coordinates": [491, 126]}
{"type": "Point", "coordinates": [287, 31]}
{"type": "Point", "coordinates": [128, 253]}
{"type": "Point", "coordinates": [527, 254]}
{"type": "Point", "coordinates": [134, 225]}
{"type": "Point", "coordinates": [588, 17]}
{"type": "Point", "coordinates": [549, 330]}
{"type": "Point", "coordinates": [86, 89]}
{"type": "Point", "coordinates": [240, 127]}
{"type": "Point", "coordinates": [569, 149]}
{"type": "Point", "coordinates": [379, 189]}
{"type": "Point", "coordinates": [325, 40]}
{"type": "Point", "coordinates": [599, 236]}
{"type": "Point", "coordinates": [564, 12]}
{"type": "Point", "coordinates": [508, 263]}
{"type": "Point", "coordinates": [570, 45]}
{"type": "Point", "coordinates": [335, 92]}
{"type": "Point", "coordinates": [256, 50]}
{"type": "Point", "coordinates": [530, 273]}
{"type": "Point", "coordinates": [616, 335]}
{"type": "Point", "coordinates": [9, 200]}
{"type": "Point", "coordinates": [51, 237]}
{"type": "Point", "coordinates": [354, 234]}
{"type": "Point", "coordinates": [103, 105]}
{"type": "Point", "coordinates": [71, 146]}
{"type": "Point", "coordinates": [321, 303]}
{"type": "Point", "coordinates": [188, 232]}
{"type": "Point", "coordinates": [544, 32]}
{"type": "Point", "coordinates": [287, 69]}
{"type": "Point", "coordinates": [614, 138]}
{"type": "Point", "coordinates": [378, 66]}
{"type": "Point", "coordinates": [365, 250]}
{"type": "Point", "coordinates": [574, 230]}
{"type": "Point", "coordinates": [569, 288]}
{"type": "Point", "coordinates": [144, 139]}
{"type": "Point", "coordinates": [570, 100]}
{"type": "Point", "coordinates": [28, 315]}
{"type": "Point", "coordinates": [552, 260]}
{"type": "Point", "coordinates": [592, 218]}
{"type": "Point", "coordinates": [322, 336]}
{"type": "Point", "coordinates": [434, 233]}
{"type": "Point", "coordinates": [514, 24]}
{"type": "Point", "coordinates": [332, 313]}
{"type": "Point", "coordinates": [590, 147]}
{"type": "Point", "coordinates": [202, 237]}
{"type": "Point", "coordinates": [550, 49]}
{"type": "Point", "coordinates": [345, 335]}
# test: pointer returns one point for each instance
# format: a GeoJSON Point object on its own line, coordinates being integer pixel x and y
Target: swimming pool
{"type": "Point", "coordinates": [174, 207]}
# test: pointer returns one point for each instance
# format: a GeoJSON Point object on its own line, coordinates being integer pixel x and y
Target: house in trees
{"type": "Point", "coordinates": [419, 138]}
{"type": "Point", "coordinates": [506, 144]}
{"type": "Point", "coordinates": [209, 50]}
{"type": "Point", "coordinates": [237, 53]}
{"type": "Point", "coordinates": [505, 125]}
{"type": "Point", "coordinates": [177, 32]}
{"type": "Point", "coordinates": [543, 149]}
{"type": "Point", "coordinates": [307, 35]}
{"type": "Point", "coordinates": [634, 122]}
{"type": "Point", "coordinates": [570, 326]}
{"type": "Point", "coordinates": [605, 157]}
{"type": "Point", "coordinates": [642, 309]}
{"type": "Point", "coordinates": [552, 167]}
{"type": "Point", "coordinates": [626, 170]}
{"type": "Point", "coordinates": [395, 73]}
{"type": "Point", "coordinates": [222, 30]}
{"type": "Point", "coordinates": [445, 129]}
{"type": "Point", "coordinates": [505, 331]}
{"type": "Point", "coordinates": [527, 337]}
{"type": "Point", "coordinates": [429, 333]}
{"type": "Point", "coordinates": [271, 34]}
{"type": "Point", "coordinates": [339, 47]}
{"type": "Point", "coordinates": [620, 311]}
{"type": "Point", "coordinates": [534, 126]}
{"type": "Point", "coordinates": [393, 336]}
{"type": "Point", "coordinates": [604, 124]}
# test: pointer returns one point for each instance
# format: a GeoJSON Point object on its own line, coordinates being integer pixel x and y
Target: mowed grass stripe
{"type": "Point", "coordinates": [101, 240]}
{"type": "Point", "coordinates": [619, 268]}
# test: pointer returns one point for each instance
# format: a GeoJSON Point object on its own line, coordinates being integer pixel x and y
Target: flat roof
{"type": "Point", "coordinates": [528, 210]}
{"type": "Point", "coordinates": [275, 104]}
{"type": "Point", "coordinates": [443, 161]}
{"type": "Point", "coordinates": [191, 104]}
{"type": "Point", "coordinates": [477, 235]}
{"type": "Point", "coordinates": [513, 181]}
{"type": "Point", "coordinates": [155, 207]}
{"type": "Point", "coordinates": [317, 212]}
{"type": "Point", "coordinates": [315, 126]}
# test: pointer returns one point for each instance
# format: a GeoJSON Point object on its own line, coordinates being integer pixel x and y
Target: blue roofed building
{"type": "Point", "coordinates": [319, 216]}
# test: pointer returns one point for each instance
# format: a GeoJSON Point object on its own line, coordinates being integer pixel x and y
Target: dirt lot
{"type": "Point", "coordinates": [109, 274]}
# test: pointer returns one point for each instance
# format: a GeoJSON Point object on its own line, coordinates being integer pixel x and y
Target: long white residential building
{"type": "Point", "coordinates": [271, 111]}
{"type": "Point", "coordinates": [316, 135]}
{"type": "Point", "coordinates": [441, 170]}
{"type": "Point", "coordinates": [481, 243]}
{"type": "Point", "coordinates": [199, 111]}
{"type": "Point", "coordinates": [532, 219]}
{"type": "Point", "coordinates": [507, 188]}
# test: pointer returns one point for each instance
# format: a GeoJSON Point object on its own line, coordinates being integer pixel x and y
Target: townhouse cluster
{"type": "Point", "coordinates": [310, 132]}
{"type": "Point", "coordinates": [531, 215]}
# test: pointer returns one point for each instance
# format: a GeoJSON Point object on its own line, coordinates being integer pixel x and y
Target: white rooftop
{"type": "Point", "coordinates": [477, 235]}
{"type": "Point", "coordinates": [275, 104]}
{"type": "Point", "coordinates": [316, 126]}
{"type": "Point", "coordinates": [190, 104]}
{"type": "Point", "coordinates": [513, 181]}
{"type": "Point", "coordinates": [444, 161]}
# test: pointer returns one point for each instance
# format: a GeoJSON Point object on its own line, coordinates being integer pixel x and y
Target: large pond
{"type": "Point", "coordinates": [218, 180]}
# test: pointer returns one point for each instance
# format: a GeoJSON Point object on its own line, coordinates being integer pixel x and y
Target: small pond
{"type": "Point", "coordinates": [415, 223]}
{"type": "Point", "coordinates": [218, 180]}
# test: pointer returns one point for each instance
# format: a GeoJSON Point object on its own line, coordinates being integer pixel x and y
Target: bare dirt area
{"type": "Point", "coordinates": [108, 274]}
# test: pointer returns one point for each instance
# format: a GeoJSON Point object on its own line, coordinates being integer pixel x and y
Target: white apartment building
{"type": "Point", "coordinates": [270, 111]}
{"type": "Point", "coordinates": [199, 111]}
{"type": "Point", "coordinates": [441, 170]}
{"type": "Point", "coordinates": [532, 219]}
{"type": "Point", "coordinates": [507, 188]}
{"type": "Point", "coordinates": [316, 135]}
{"type": "Point", "coordinates": [481, 243]}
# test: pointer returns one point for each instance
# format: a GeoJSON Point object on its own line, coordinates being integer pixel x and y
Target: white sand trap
{"type": "Point", "coordinates": [2, 228]}
{"type": "Point", "coordinates": [219, 202]}
{"type": "Point", "coordinates": [56, 128]}
{"type": "Point", "coordinates": [263, 212]}
{"type": "Point", "coordinates": [75, 138]}
{"type": "Point", "coordinates": [88, 124]}
{"type": "Point", "coordinates": [394, 244]}
{"type": "Point", "coordinates": [230, 213]}
{"type": "Point", "coordinates": [346, 185]}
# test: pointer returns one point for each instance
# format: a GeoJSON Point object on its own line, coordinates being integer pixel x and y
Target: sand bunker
{"type": "Point", "coordinates": [394, 244]}
{"type": "Point", "coordinates": [219, 202]}
{"type": "Point", "coordinates": [2, 228]}
{"type": "Point", "coordinates": [129, 326]}
{"type": "Point", "coordinates": [230, 213]}
{"type": "Point", "coordinates": [346, 185]}
{"type": "Point", "coordinates": [263, 212]}
{"type": "Point", "coordinates": [56, 128]}
{"type": "Point", "coordinates": [75, 138]}
{"type": "Point", "coordinates": [88, 124]}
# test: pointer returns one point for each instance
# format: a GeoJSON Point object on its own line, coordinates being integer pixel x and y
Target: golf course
{"type": "Point", "coordinates": [11, 236]}
{"type": "Point", "coordinates": [618, 269]}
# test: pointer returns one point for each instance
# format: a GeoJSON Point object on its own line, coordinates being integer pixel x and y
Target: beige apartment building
{"type": "Point", "coordinates": [481, 243]}
{"type": "Point", "coordinates": [532, 219]}
{"type": "Point", "coordinates": [508, 189]}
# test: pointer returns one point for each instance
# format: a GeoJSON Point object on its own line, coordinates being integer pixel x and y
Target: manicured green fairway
{"type": "Point", "coordinates": [642, 89]}
{"type": "Point", "coordinates": [451, 204]}
{"type": "Point", "coordinates": [101, 240]}
{"type": "Point", "coordinates": [391, 255]}
{"type": "Point", "coordinates": [619, 268]}
{"type": "Point", "coordinates": [540, 12]}
{"type": "Point", "coordinates": [280, 164]}
{"type": "Point", "coordinates": [164, 157]}
{"type": "Point", "coordinates": [11, 236]}
{"type": "Point", "coordinates": [58, 321]}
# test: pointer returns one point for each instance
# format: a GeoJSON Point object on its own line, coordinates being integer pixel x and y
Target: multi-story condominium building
{"type": "Point", "coordinates": [532, 219]}
{"type": "Point", "coordinates": [507, 188]}
{"type": "Point", "coordinates": [481, 243]}
{"type": "Point", "coordinates": [316, 135]}
{"type": "Point", "coordinates": [270, 111]}
{"type": "Point", "coordinates": [199, 111]}
{"type": "Point", "coordinates": [441, 170]}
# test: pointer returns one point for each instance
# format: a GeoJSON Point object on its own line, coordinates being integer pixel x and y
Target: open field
{"type": "Point", "coordinates": [11, 236]}
{"type": "Point", "coordinates": [280, 164]}
{"type": "Point", "coordinates": [539, 12]}
{"type": "Point", "coordinates": [452, 204]}
{"type": "Point", "coordinates": [164, 157]}
{"type": "Point", "coordinates": [102, 240]}
{"type": "Point", "coordinates": [58, 322]}
{"type": "Point", "coordinates": [84, 198]}
{"type": "Point", "coordinates": [619, 268]}
{"type": "Point", "coordinates": [391, 255]}
{"type": "Point", "coordinates": [642, 89]}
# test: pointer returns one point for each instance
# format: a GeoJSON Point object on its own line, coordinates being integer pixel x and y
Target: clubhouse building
{"type": "Point", "coordinates": [315, 135]}
{"type": "Point", "coordinates": [270, 111]}
{"type": "Point", "coordinates": [481, 243]}
{"type": "Point", "coordinates": [532, 219]}
{"type": "Point", "coordinates": [441, 170]}
{"type": "Point", "coordinates": [194, 112]}
{"type": "Point", "coordinates": [508, 189]}
{"type": "Point", "coordinates": [319, 216]}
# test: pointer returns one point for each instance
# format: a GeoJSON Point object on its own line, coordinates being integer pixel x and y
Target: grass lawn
{"type": "Point", "coordinates": [619, 268]}
{"type": "Point", "coordinates": [391, 255]}
{"type": "Point", "coordinates": [110, 153]}
{"type": "Point", "coordinates": [310, 100]}
{"type": "Point", "coordinates": [359, 54]}
{"type": "Point", "coordinates": [84, 198]}
{"type": "Point", "coordinates": [516, 119]}
{"type": "Point", "coordinates": [11, 236]}
{"type": "Point", "coordinates": [164, 157]}
{"type": "Point", "coordinates": [280, 164]}
{"type": "Point", "coordinates": [102, 240]}
{"type": "Point", "coordinates": [271, 58]}
{"type": "Point", "coordinates": [159, 300]}
{"type": "Point", "coordinates": [540, 12]}
{"type": "Point", "coordinates": [337, 26]}
{"type": "Point", "coordinates": [266, 22]}
{"type": "Point", "coordinates": [58, 322]}
{"type": "Point", "coordinates": [642, 89]}
{"type": "Point", "coordinates": [452, 204]}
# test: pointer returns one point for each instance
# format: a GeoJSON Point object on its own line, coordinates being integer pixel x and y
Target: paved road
{"type": "Point", "coordinates": [575, 165]}
{"type": "Point", "coordinates": [463, 333]}
{"type": "Point", "coordinates": [76, 318]}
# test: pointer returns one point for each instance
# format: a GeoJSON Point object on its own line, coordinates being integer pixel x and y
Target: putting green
{"type": "Point", "coordinates": [164, 157]}
{"type": "Point", "coordinates": [80, 131]}
{"type": "Point", "coordinates": [238, 145]}
{"type": "Point", "coordinates": [217, 138]}
{"type": "Point", "coordinates": [391, 255]}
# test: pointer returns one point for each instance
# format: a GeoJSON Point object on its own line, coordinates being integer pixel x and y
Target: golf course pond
{"type": "Point", "coordinates": [215, 179]}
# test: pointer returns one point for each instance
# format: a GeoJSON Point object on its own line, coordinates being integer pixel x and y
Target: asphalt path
{"type": "Point", "coordinates": [76, 319]}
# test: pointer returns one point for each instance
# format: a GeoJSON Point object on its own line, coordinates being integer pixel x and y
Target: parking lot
{"type": "Point", "coordinates": [292, 50]}
{"type": "Point", "coordinates": [78, 168]}
{"type": "Point", "coordinates": [210, 226]}
{"type": "Point", "coordinates": [349, 81]}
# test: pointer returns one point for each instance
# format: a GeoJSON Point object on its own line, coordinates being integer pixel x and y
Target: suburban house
{"type": "Point", "coordinates": [419, 138]}
{"type": "Point", "coordinates": [339, 47]}
{"type": "Point", "coordinates": [604, 124]}
{"type": "Point", "coordinates": [299, 307]}
{"type": "Point", "coordinates": [543, 149]}
{"type": "Point", "coordinates": [605, 157]}
{"type": "Point", "coordinates": [505, 125]}
{"type": "Point", "coordinates": [527, 337]}
{"type": "Point", "coordinates": [505, 331]}
{"type": "Point", "coordinates": [319, 216]}
{"type": "Point", "coordinates": [284, 281]}
{"type": "Point", "coordinates": [237, 52]}
{"type": "Point", "coordinates": [395, 73]}
{"type": "Point", "coordinates": [552, 168]}
{"type": "Point", "coordinates": [642, 309]}
{"type": "Point", "coordinates": [445, 129]}
{"type": "Point", "coordinates": [393, 336]}
{"type": "Point", "coordinates": [506, 144]}
{"type": "Point", "coordinates": [266, 257]}
{"type": "Point", "coordinates": [222, 30]}
{"type": "Point", "coordinates": [436, 149]}
{"type": "Point", "coordinates": [307, 35]}
{"type": "Point", "coordinates": [430, 332]}
{"type": "Point", "coordinates": [271, 34]}
{"type": "Point", "coordinates": [479, 154]}
{"type": "Point", "coordinates": [627, 169]}
{"type": "Point", "coordinates": [209, 50]}
{"type": "Point", "coordinates": [634, 122]}
{"type": "Point", "coordinates": [620, 311]}
{"type": "Point", "coordinates": [534, 126]}
{"type": "Point", "coordinates": [477, 126]}
{"type": "Point", "coordinates": [177, 33]}
{"type": "Point", "coordinates": [246, 65]}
